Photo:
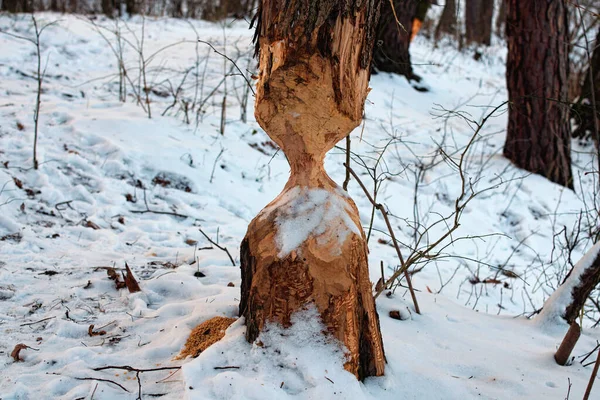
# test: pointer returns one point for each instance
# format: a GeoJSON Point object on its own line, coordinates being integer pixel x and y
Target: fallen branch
{"type": "Point", "coordinates": [132, 369]}
{"type": "Point", "coordinates": [148, 210]}
{"type": "Point", "coordinates": [37, 322]}
{"type": "Point", "coordinates": [137, 371]}
{"type": "Point", "coordinates": [99, 380]}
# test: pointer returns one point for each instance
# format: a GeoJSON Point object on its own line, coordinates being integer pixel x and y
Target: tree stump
{"type": "Point", "coordinates": [307, 247]}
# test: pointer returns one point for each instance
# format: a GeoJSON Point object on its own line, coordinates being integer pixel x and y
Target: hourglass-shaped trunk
{"type": "Point", "coordinates": [307, 247]}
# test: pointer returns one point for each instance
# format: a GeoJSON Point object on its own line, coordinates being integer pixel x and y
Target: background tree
{"type": "Point", "coordinates": [307, 248]}
{"type": "Point", "coordinates": [538, 136]}
{"type": "Point", "coordinates": [394, 30]}
{"type": "Point", "coordinates": [586, 110]}
{"type": "Point", "coordinates": [447, 22]}
{"type": "Point", "coordinates": [478, 21]}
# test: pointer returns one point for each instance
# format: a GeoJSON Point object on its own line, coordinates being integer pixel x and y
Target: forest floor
{"type": "Point", "coordinates": [116, 187]}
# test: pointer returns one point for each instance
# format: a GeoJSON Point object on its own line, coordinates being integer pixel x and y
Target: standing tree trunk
{"type": "Point", "coordinates": [586, 111]}
{"type": "Point", "coordinates": [538, 135]}
{"type": "Point", "coordinates": [17, 6]}
{"type": "Point", "coordinates": [391, 52]}
{"type": "Point", "coordinates": [478, 21]}
{"type": "Point", "coordinates": [307, 248]}
{"type": "Point", "coordinates": [447, 23]}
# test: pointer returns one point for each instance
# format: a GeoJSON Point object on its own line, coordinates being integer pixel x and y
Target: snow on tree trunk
{"type": "Point", "coordinates": [538, 136]}
{"type": "Point", "coordinates": [566, 303]}
{"type": "Point", "coordinates": [307, 248]}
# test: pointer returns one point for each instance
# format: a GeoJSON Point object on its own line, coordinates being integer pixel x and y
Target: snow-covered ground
{"type": "Point", "coordinates": [104, 162]}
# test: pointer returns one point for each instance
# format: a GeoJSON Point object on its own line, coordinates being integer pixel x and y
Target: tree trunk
{"type": "Point", "coordinates": [567, 301]}
{"type": "Point", "coordinates": [586, 115]}
{"type": "Point", "coordinates": [391, 52]}
{"type": "Point", "coordinates": [478, 21]}
{"type": "Point", "coordinates": [447, 23]}
{"type": "Point", "coordinates": [17, 6]}
{"type": "Point", "coordinates": [538, 136]}
{"type": "Point", "coordinates": [307, 248]}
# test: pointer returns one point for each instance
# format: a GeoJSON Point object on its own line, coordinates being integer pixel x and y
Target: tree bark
{"type": "Point", "coordinates": [586, 111]}
{"type": "Point", "coordinates": [538, 135]}
{"type": "Point", "coordinates": [447, 22]}
{"type": "Point", "coordinates": [478, 21]}
{"type": "Point", "coordinates": [17, 6]}
{"type": "Point", "coordinates": [391, 52]}
{"type": "Point", "coordinates": [307, 248]}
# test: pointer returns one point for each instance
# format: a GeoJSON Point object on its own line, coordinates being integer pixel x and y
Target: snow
{"type": "Point", "coordinates": [102, 161]}
{"type": "Point", "coordinates": [303, 212]}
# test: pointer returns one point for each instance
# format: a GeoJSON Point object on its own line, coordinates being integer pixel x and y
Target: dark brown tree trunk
{"type": "Point", "coordinates": [306, 248]}
{"type": "Point", "coordinates": [17, 6]}
{"type": "Point", "coordinates": [478, 21]}
{"type": "Point", "coordinates": [538, 136]}
{"type": "Point", "coordinates": [131, 6]}
{"type": "Point", "coordinates": [108, 7]}
{"type": "Point", "coordinates": [391, 53]}
{"type": "Point", "coordinates": [447, 23]}
{"type": "Point", "coordinates": [586, 111]}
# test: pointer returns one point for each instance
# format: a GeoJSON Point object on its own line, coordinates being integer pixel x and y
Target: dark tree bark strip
{"type": "Point", "coordinates": [447, 22]}
{"type": "Point", "coordinates": [478, 20]}
{"type": "Point", "coordinates": [538, 133]}
{"type": "Point", "coordinates": [391, 53]}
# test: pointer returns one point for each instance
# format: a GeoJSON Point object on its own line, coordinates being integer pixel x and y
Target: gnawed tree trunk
{"type": "Point", "coordinates": [538, 134]}
{"type": "Point", "coordinates": [391, 53]}
{"type": "Point", "coordinates": [567, 301]}
{"type": "Point", "coordinates": [585, 114]}
{"type": "Point", "coordinates": [307, 248]}
{"type": "Point", "coordinates": [478, 21]}
{"type": "Point", "coordinates": [447, 23]}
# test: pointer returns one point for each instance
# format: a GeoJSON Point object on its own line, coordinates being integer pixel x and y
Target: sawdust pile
{"type": "Point", "coordinates": [204, 335]}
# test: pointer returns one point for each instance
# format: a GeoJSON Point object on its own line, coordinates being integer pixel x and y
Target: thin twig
{"type": "Point", "coordinates": [218, 246]}
{"type": "Point", "coordinates": [233, 62]}
{"type": "Point", "coordinates": [37, 322]}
